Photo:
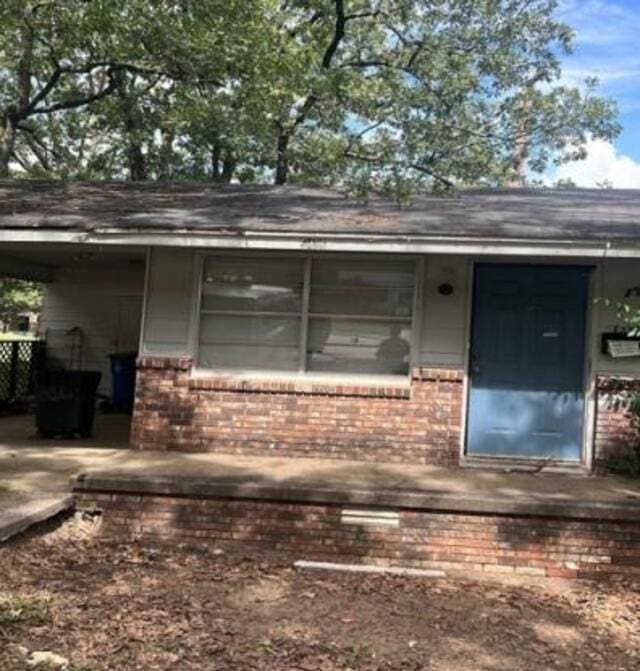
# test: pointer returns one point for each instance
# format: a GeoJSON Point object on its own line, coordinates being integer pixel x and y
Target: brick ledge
{"type": "Point", "coordinates": [369, 390]}
{"type": "Point", "coordinates": [192, 487]}
{"type": "Point", "coordinates": [615, 384]}
{"type": "Point", "coordinates": [164, 363]}
{"type": "Point", "coordinates": [437, 374]}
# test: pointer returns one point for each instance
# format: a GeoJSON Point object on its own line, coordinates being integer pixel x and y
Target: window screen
{"type": "Point", "coordinates": [333, 315]}
{"type": "Point", "coordinates": [251, 313]}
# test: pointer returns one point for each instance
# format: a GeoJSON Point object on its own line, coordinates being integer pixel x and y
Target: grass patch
{"type": "Point", "coordinates": [16, 609]}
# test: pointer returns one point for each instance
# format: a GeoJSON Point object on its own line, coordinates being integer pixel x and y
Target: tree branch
{"type": "Point", "coordinates": [428, 171]}
{"type": "Point", "coordinates": [413, 166]}
{"type": "Point", "coordinates": [39, 151]}
{"type": "Point", "coordinates": [41, 94]}
{"type": "Point", "coordinates": [338, 35]}
{"type": "Point", "coordinates": [18, 159]}
{"type": "Point", "coordinates": [82, 101]}
{"type": "Point", "coordinates": [372, 63]}
{"type": "Point", "coordinates": [24, 65]}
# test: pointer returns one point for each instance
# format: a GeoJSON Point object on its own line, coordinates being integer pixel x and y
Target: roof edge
{"type": "Point", "coordinates": [401, 244]}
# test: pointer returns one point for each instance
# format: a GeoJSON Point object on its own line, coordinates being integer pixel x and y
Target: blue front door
{"type": "Point", "coordinates": [527, 362]}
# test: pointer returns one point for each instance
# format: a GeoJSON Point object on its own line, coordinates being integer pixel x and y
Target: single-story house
{"type": "Point", "coordinates": [289, 322]}
{"type": "Point", "coordinates": [298, 322]}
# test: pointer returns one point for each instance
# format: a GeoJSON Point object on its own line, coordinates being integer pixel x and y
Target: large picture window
{"type": "Point", "coordinates": [333, 315]}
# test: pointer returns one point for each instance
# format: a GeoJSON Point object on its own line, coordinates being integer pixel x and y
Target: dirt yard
{"type": "Point", "coordinates": [107, 606]}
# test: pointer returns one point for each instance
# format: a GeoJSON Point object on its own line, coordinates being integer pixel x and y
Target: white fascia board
{"type": "Point", "coordinates": [399, 244]}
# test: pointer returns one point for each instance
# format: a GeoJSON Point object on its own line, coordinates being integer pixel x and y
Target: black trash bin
{"type": "Point", "coordinates": [123, 378]}
{"type": "Point", "coordinates": [66, 402]}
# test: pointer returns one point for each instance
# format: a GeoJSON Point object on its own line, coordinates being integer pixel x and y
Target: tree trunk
{"type": "Point", "coordinates": [282, 156]}
{"type": "Point", "coordinates": [7, 144]}
{"type": "Point", "coordinates": [517, 169]}
{"type": "Point", "coordinates": [8, 121]}
{"type": "Point", "coordinates": [137, 162]}
{"type": "Point", "coordinates": [215, 162]}
{"type": "Point", "coordinates": [228, 167]}
{"type": "Point", "coordinates": [517, 176]}
{"type": "Point", "coordinates": [222, 166]}
{"type": "Point", "coordinates": [133, 127]}
{"type": "Point", "coordinates": [166, 154]}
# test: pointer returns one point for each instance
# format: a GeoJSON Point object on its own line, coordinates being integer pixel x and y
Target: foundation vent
{"type": "Point", "coordinates": [370, 517]}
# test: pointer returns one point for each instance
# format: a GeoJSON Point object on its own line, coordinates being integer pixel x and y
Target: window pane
{"type": "Point", "coordinates": [356, 287]}
{"type": "Point", "coordinates": [249, 342]}
{"type": "Point", "coordinates": [348, 346]}
{"type": "Point", "coordinates": [253, 285]}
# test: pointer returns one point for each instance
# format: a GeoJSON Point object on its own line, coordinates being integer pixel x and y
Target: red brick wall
{"type": "Point", "coordinates": [616, 428]}
{"type": "Point", "coordinates": [419, 424]}
{"type": "Point", "coordinates": [542, 546]}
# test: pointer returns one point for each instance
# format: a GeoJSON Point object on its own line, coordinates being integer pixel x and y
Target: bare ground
{"type": "Point", "coordinates": [130, 607]}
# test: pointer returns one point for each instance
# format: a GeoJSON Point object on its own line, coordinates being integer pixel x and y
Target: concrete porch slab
{"type": "Point", "coordinates": [37, 468]}
{"type": "Point", "coordinates": [358, 483]}
{"type": "Point", "coordinates": [34, 473]}
{"type": "Point", "coordinates": [30, 466]}
{"type": "Point", "coordinates": [17, 518]}
{"type": "Point", "coordinates": [389, 515]}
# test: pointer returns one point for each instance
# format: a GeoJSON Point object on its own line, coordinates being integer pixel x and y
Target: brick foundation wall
{"type": "Point", "coordinates": [616, 427]}
{"type": "Point", "coordinates": [420, 423]}
{"type": "Point", "coordinates": [542, 546]}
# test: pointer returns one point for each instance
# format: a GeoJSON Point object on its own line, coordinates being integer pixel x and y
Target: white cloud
{"type": "Point", "coordinates": [605, 47]}
{"type": "Point", "coordinates": [601, 23]}
{"type": "Point", "coordinates": [604, 163]}
{"type": "Point", "coordinates": [606, 74]}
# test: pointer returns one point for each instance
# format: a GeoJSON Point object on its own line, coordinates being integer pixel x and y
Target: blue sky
{"type": "Point", "coordinates": [607, 45]}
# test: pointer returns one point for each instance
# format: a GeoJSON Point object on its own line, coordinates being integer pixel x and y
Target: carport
{"type": "Point", "coordinates": [92, 307]}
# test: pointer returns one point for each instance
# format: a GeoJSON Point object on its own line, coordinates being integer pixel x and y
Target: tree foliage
{"type": "Point", "coordinates": [18, 296]}
{"type": "Point", "coordinates": [627, 312]}
{"type": "Point", "coordinates": [388, 94]}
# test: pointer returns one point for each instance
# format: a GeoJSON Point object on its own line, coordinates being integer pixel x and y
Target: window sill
{"type": "Point", "coordinates": [378, 386]}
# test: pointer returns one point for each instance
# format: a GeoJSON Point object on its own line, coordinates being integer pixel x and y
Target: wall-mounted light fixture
{"type": "Point", "coordinates": [445, 289]}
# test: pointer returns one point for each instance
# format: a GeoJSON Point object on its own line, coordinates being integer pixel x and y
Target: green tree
{"type": "Point", "coordinates": [383, 94]}
{"type": "Point", "coordinates": [627, 312]}
{"type": "Point", "coordinates": [401, 96]}
{"type": "Point", "coordinates": [54, 56]}
{"type": "Point", "coordinates": [65, 57]}
{"type": "Point", "coordinates": [17, 296]}
{"type": "Point", "coordinates": [442, 93]}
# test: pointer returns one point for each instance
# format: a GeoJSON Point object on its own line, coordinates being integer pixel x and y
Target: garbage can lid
{"type": "Point", "coordinates": [123, 355]}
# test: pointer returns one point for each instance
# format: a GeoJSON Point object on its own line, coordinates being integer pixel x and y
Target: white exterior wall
{"type": "Point", "coordinates": [171, 282]}
{"type": "Point", "coordinates": [443, 329]}
{"type": "Point", "coordinates": [613, 281]}
{"type": "Point", "coordinates": [444, 320]}
{"type": "Point", "coordinates": [445, 325]}
{"type": "Point", "coordinates": [105, 304]}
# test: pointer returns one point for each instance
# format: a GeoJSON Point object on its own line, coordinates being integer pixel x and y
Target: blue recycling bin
{"type": "Point", "coordinates": [123, 380]}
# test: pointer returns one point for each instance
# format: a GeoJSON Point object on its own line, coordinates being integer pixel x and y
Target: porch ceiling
{"type": "Point", "coordinates": [41, 262]}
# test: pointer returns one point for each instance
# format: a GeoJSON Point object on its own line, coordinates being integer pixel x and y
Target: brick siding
{"type": "Point", "coordinates": [418, 422]}
{"type": "Point", "coordinates": [616, 427]}
{"type": "Point", "coordinates": [517, 544]}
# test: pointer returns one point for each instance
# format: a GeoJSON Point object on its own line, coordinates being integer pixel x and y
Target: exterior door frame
{"type": "Point", "coordinates": [589, 384]}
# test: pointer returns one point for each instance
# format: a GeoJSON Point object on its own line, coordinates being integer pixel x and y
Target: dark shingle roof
{"type": "Point", "coordinates": [516, 214]}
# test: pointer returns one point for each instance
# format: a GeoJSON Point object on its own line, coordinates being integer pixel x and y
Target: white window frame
{"type": "Point", "coordinates": [301, 373]}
